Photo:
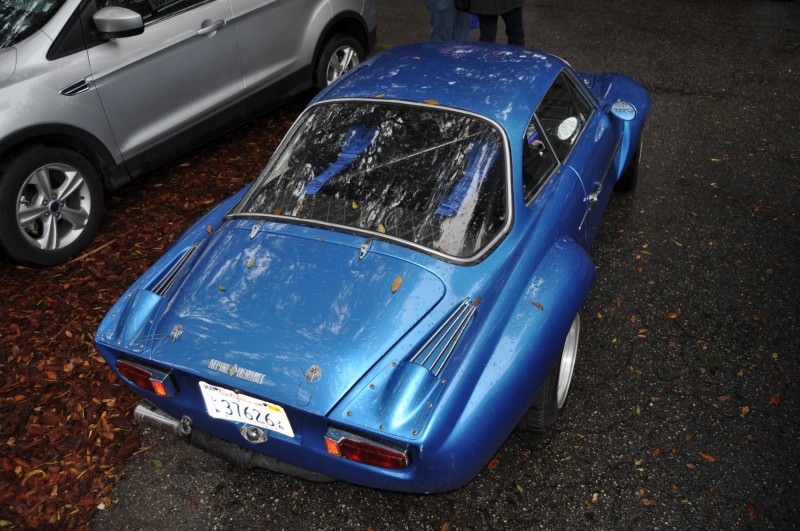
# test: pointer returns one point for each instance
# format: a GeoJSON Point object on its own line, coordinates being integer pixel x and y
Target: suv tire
{"type": "Point", "coordinates": [51, 205]}
{"type": "Point", "coordinates": [339, 55]}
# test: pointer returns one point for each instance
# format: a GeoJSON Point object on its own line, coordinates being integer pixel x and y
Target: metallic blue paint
{"type": "Point", "coordinates": [276, 298]}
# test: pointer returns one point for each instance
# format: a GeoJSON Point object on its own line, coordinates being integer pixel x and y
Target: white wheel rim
{"type": "Point", "coordinates": [568, 357]}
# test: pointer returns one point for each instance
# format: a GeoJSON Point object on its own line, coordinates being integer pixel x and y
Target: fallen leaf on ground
{"type": "Point", "coordinates": [774, 400]}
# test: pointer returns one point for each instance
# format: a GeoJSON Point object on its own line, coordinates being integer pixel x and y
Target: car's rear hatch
{"type": "Point", "coordinates": [290, 318]}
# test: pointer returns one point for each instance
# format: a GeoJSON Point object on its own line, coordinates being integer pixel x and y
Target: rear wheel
{"type": "Point", "coordinates": [340, 54]}
{"type": "Point", "coordinates": [543, 413]}
{"type": "Point", "coordinates": [51, 205]}
{"type": "Point", "coordinates": [629, 177]}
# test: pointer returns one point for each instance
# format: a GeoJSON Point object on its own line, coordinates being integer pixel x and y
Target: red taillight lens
{"type": "Point", "coordinates": [363, 450]}
{"type": "Point", "coordinates": [135, 374]}
{"type": "Point", "coordinates": [369, 454]}
{"type": "Point", "coordinates": [147, 378]}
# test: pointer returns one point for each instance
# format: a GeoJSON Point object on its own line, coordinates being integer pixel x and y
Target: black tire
{"type": "Point", "coordinates": [340, 54]}
{"type": "Point", "coordinates": [627, 182]}
{"type": "Point", "coordinates": [543, 413]}
{"type": "Point", "coordinates": [51, 205]}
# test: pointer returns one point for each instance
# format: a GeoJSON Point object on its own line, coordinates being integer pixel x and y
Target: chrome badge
{"type": "Point", "coordinates": [236, 371]}
{"type": "Point", "coordinates": [176, 333]}
{"type": "Point", "coordinates": [313, 374]}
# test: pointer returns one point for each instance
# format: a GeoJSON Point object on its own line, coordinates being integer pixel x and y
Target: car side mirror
{"type": "Point", "coordinates": [115, 22]}
{"type": "Point", "coordinates": [623, 110]}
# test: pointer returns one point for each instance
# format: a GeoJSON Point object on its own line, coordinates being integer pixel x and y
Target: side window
{"type": "Point", "coordinates": [150, 9]}
{"type": "Point", "coordinates": [563, 114]}
{"type": "Point", "coordinates": [537, 161]}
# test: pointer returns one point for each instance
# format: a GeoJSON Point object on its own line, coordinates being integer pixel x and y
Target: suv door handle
{"type": "Point", "coordinates": [209, 28]}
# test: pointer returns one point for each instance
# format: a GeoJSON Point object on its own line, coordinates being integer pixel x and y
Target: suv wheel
{"type": "Point", "coordinates": [339, 55]}
{"type": "Point", "coordinates": [51, 204]}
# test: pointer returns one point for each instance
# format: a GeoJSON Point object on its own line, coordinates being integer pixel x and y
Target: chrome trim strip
{"type": "Point", "coordinates": [235, 212]}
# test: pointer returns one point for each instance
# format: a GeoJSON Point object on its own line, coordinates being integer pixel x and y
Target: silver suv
{"type": "Point", "coordinates": [95, 92]}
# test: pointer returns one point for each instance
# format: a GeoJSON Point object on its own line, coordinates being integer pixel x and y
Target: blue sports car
{"type": "Point", "coordinates": [400, 288]}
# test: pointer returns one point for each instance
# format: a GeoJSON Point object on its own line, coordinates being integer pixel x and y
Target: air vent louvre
{"type": "Point", "coordinates": [436, 352]}
{"type": "Point", "coordinates": [76, 88]}
{"type": "Point", "coordinates": [163, 286]}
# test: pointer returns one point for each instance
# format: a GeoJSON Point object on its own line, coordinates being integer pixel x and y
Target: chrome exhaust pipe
{"type": "Point", "coordinates": [149, 415]}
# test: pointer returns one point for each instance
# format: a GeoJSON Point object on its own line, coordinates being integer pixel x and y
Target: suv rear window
{"type": "Point", "coordinates": [428, 176]}
{"type": "Point", "coordinates": [19, 19]}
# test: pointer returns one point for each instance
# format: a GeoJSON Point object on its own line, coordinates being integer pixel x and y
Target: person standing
{"type": "Point", "coordinates": [447, 22]}
{"type": "Point", "coordinates": [511, 13]}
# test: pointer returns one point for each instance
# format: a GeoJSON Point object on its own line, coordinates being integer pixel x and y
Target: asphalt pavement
{"type": "Point", "coordinates": [683, 408]}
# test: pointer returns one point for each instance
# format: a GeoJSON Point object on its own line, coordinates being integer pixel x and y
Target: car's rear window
{"type": "Point", "coordinates": [425, 175]}
{"type": "Point", "coordinates": [21, 18]}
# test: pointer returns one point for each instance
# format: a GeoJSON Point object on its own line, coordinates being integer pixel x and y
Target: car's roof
{"type": "Point", "coordinates": [501, 82]}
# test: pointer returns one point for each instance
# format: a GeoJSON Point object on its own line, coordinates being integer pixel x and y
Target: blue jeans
{"type": "Point", "coordinates": [448, 23]}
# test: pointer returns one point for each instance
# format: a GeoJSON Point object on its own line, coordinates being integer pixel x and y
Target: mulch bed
{"type": "Point", "coordinates": [66, 424]}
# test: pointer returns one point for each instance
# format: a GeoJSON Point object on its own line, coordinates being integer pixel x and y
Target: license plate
{"type": "Point", "coordinates": [229, 405]}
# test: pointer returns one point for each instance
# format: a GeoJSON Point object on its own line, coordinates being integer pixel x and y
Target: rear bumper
{"type": "Point", "coordinates": [150, 415]}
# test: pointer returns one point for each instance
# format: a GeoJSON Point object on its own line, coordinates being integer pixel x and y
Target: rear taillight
{"type": "Point", "coordinates": [148, 378]}
{"type": "Point", "coordinates": [364, 450]}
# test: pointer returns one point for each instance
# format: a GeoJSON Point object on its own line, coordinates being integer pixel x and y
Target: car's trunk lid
{"type": "Point", "coordinates": [287, 317]}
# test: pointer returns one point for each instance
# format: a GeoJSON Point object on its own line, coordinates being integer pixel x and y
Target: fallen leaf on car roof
{"type": "Point", "coordinates": [396, 283]}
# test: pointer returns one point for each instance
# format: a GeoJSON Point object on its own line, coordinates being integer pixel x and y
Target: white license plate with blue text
{"type": "Point", "coordinates": [229, 405]}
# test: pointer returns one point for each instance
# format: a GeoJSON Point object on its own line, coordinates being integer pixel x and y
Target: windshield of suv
{"type": "Point", "coordinates": [22, 18]}
{"type": "Point", "coordinates": [428, 176]}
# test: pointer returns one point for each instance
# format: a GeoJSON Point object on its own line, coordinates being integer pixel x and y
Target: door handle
{"type": "Point", "coordinates": [594, 196]}
{"type": "Point", "coordinates": [209, 28]}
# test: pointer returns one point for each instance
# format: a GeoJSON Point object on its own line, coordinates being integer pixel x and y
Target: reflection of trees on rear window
{"type": "Point", "coordinates": [429, 176]}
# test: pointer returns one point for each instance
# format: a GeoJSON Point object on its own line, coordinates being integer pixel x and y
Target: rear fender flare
{"type": "Point", "coordinates": [534, 333]}
{"type": "Point", "coordinates": [531, 341]}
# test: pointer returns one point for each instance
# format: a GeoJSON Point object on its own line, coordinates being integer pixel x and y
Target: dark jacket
{"type": "Point", "coordinates": [494, 7]}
